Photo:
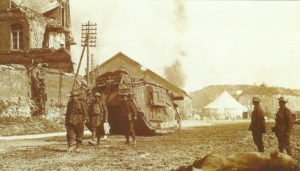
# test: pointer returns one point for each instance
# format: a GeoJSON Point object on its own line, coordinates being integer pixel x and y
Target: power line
{"type": "Point", "coordinates": [88, 39]}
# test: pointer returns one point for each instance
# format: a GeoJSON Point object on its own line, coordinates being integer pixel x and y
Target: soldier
{"type": "Point", "coordinates": [283, 126]}
{"type": "Point", "coordinates": [257, 125]}
{"type": "Point", "coordinates": [177, 115]}
{"type": "Point", "coordinates": [75, 118]}
{"type": "Point", "coordinates": [38, 82]}
{"type": "Point", "coordinates": [130, 114]}
{"type": "Point", "coordinates": [98, 115]}
{"type": "Point", "coordinates": [83, 91]}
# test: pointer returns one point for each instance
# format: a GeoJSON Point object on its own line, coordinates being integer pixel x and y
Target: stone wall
{"type": "Point", "coordinates": [15, 91]}
{"type": "Point", "coordinates": [58, 86]}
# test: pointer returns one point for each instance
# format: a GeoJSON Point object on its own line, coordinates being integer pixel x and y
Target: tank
{"type": "Point", "coordinates": [155, 105]}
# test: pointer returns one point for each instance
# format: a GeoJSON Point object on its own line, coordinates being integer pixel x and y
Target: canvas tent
{"type": "Point", "coordinates": [225, 107]}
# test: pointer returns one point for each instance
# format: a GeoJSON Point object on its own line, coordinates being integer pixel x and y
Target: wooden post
{"type": "Point", "coordinates": [75, 78]}
{"type": "Point", "coordinates": [89, 36]}
{"type": "Point", "coordinates": [88, 54]}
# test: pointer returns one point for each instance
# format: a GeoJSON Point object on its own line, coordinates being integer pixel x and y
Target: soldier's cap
{"type": "Point", "coordinates": [255, 99]}
{"type": "Point", "coordinates": [282, 99]}
{"type": "Point", "coordinates": [44, 65]}
{"type": "Point", "coordinates": [97, 94]}
{"type": "Point", "coordinates": [41, 65]}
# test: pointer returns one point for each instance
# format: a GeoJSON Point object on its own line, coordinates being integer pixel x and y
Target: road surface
{"type": "Point", "coordinates": [151, 153]}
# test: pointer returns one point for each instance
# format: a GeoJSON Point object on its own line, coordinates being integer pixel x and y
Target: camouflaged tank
{"type": "Point", "coordinates": [155, 105]}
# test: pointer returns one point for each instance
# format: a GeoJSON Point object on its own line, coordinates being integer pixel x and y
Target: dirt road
{"type": "Point", "coordinates": [151, 153]}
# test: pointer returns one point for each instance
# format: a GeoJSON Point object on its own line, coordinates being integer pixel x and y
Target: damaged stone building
{"type": "Point", "coordinates": [36, 31]}
{"type": "Point", "coordinates": [33, 32]}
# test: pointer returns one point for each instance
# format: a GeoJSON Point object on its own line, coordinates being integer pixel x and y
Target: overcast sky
{"type": "Point", "coordinates": [217, 42]}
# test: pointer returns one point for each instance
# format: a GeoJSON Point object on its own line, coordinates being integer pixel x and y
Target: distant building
{"type": "Point", "coordinates": [269, 103]}
{"type": "Point", "coordinates": [36, 31]}
{"type": "Point", "coordinates": [121, 61]}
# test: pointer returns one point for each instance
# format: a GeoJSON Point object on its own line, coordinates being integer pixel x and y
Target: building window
{"type": "Point", "coordinates": [16, 36]}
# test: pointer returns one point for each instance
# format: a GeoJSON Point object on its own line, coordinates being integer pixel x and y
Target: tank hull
{"type": "Point", "coordinates": [154, 104]}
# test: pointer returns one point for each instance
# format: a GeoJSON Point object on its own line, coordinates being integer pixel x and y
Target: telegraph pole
{"type": "Point", "coordinates": [92, 61]}
{"type": "Point", "coordinates": [88, 39]}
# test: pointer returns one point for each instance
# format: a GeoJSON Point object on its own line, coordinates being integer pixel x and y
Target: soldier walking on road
{"type": "Point", "coordinates": [257, 125]}
{"type": "Point", "coordinates": [75, 117]}
{"type": "Point", "coordinates": [283, 126]}
{"type": "Point", "coordinates": [98, 115]}
{"type": "Point", "coordinates": [130, 114]}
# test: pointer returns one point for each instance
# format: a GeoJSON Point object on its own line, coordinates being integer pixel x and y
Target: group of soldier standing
{"type": "Point", "coordinates": [95, 116]}
{"type": "Point", "coordinates": [282, 129]}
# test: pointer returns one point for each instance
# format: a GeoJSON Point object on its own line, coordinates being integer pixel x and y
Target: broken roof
{"type": "Point", "coordinates": [36, 16]}
{"type": "Point", "coordinates": [40, 6]}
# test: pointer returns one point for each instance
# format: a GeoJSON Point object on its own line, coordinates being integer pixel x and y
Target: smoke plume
{"type": "Point", "coordinates": [175, 74]}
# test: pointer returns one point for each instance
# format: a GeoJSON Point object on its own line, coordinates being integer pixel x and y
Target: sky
{"type": "Point", "coordinates": [215, 42]}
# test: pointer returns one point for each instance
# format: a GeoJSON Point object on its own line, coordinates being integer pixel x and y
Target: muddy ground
{"type": "Point", "coordinates": [151, 153]}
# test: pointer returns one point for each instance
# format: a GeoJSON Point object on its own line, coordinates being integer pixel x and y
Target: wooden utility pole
{"type": "Point", "coordinates": [88, 39]}
{"type": "Point", "coordinates": [92, 61]}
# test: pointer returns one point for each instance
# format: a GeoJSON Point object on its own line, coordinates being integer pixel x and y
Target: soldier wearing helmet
{"type": "Point", "coordinates": [129, 115]}
{"type": "Point", "coordinates": [283, 126]}
{"type": "Point", "coordinates": [98, 115]}
{"type": "Point", "coordinates": [75, 117]}
{"type": "Point", "coordinates": [257, 125]}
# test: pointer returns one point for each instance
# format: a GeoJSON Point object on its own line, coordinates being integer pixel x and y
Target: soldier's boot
{"type": "Point", "coordinates": [289, 151]}
{"type": "Point", "coordinates": [127, 139]}
{"type": "Point", "coordinates": [133, 139]}
{"type": "Point", "coordinates": [93, 142]}
{"type": "Point", "coordinates": [260, 148]}
{"type": "Point", "coordinates": [77, 149]}
{"type": "Point", "coordinates": [281, 150]}
{"type": "Point", "coordinates": [98, 141]}
{"type": "Point", "coordinates": [70, 147]}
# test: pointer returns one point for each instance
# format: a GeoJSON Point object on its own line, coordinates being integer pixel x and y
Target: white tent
{"type": "Point", "coordinates": [225, 107]}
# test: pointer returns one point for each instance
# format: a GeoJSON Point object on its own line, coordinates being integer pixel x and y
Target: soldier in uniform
{"type": "Point", "coordinates": [39, 92]}
{"type": "Point", "coordinates": [130, 114]}
{"type": "Point", "coordinates": [75, 117]}
{"type": "Point", "coordinates": [98, 115]}
{"type": "Point", "coordinates": [83, 91]}
{"type": "Point", "coordinates": [283, 126]}
{"type": "Point", "coordinates": [257, 125]}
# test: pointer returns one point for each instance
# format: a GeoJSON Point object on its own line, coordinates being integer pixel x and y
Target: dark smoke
{"type": "Point", "coordinates": [175, 74]}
